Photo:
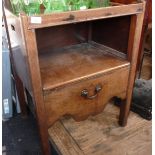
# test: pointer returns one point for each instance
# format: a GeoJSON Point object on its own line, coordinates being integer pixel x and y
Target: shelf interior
{"type": "Point", "coordinates": [73, 63]}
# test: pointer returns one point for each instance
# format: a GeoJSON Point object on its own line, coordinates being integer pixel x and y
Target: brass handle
{"type": "Point", "coordinates": [85, 92]}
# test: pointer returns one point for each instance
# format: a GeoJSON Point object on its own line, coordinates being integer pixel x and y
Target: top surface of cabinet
{"type": "Point", "coordinates": [54, 19]}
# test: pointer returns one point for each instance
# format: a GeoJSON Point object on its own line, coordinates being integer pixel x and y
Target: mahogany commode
{"type": "Point", "coordinates": [73, 63]}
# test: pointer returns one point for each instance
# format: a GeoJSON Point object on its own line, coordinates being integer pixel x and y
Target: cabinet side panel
{"type": "Point", "coordinates": [19, 53]}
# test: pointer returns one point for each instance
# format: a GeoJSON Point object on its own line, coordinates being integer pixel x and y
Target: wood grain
{"type": "Point", "coordinates": [58, 76]}
{"type": "Point", "coordinates": [54, 19]}
{"type": "Point", "coordinates": [74, 63]}
{"type": "Point", "coordinates": [32, 56]}
{"type": "Point", "coordinates": [61, 36]}
{"type": "Point", "coordinates": [101, 135]}
{"type": "Point", "coordinates": [138, 29]}
{"type": "Point", "coordinates": [67, 144]}
{"type": "Point", "coordinates": [116, 37]}
{"type": "Point", "coordinates": [68, 100]}
{"type": "Point", "coordinates": [131, 37]}
{"type": "Point", "coordinates": [146, 22]}
{"type": "Point", "coordinates": [124, 1]}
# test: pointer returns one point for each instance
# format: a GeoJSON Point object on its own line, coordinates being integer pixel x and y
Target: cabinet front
{"type": "Point", "coordinates": [89, 96]}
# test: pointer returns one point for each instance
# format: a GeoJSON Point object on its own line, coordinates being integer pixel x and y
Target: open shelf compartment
{"type": "Point", "coordinates": [74, 52]}
{"type": "Point", "coordinates": [76, 62]}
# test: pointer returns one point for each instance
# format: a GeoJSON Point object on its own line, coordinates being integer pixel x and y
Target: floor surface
{"type": "Point", "coordinates": [20, 136]}
{"type": "Point", "coordinates": [102, 135]}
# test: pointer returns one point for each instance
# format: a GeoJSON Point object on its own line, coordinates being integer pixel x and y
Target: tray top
{"type": "Point", "coordinates": [53, 19]}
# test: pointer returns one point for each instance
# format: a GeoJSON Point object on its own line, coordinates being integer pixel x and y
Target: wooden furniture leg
{"type": "Point", "coordinates": [41, 118]}
{"type": "Point", "coordinates": [122, 121]}
{"type": "Point", "coordinates": [147, 20]}
{"type": "Point", "coordinates": [21, 96]}
{"type": "Point", "coordinates": [44, 140]}
{"type": "Point", "coordinates": [38, 100]}
{"type": "Point", "coordinates": [125, 107]}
